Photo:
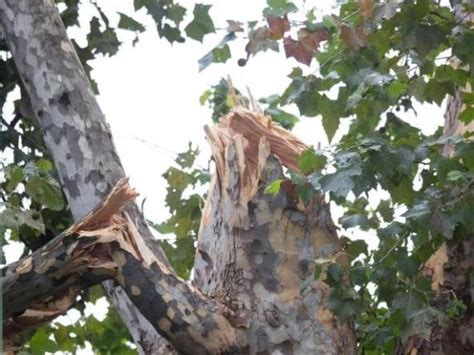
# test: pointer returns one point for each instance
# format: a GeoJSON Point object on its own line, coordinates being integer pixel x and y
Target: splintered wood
{"type": "Point", "coordinates": [79, 253]}
{"type": "Point", "coordinates": [106, 213]}
{"type": "Point", "coordinates": [241, 143]}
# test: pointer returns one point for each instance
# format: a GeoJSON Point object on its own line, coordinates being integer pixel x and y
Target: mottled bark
{"type": "Point", "coordinates": [256, 252]}
{"type": "Point", "coordinates": [75, 130]}
{"type": "Point", "coordinates": [45, 284]}
{"type": "Point", "coordinates": [155, 301]}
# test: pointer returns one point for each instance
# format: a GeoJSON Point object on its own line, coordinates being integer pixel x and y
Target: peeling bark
{"type": "Point", "coordinates": [45, 284]}
{"type": "Point", "coordinates": [75, 130]}
{"type": "Point", "coordinates": [256, 253]}
{"type": "Point", "coordinates": [155, 301]}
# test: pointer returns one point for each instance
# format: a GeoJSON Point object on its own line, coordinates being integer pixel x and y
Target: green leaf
{"type": "Point", "coordinates": [309, 161]}
{"type": "Point", "coordinates": [221, 54]}
{"type": "Point", "coordinates": [467, 115]}
{"type": "Point", "coordinates": [128, 23]}
{"type": "Point", "coordinates": [424, 38]}
{"type": "Point", "coordinates": [44, 165]}
{"type": "Point", "coordinates": [287, 120]}
{"type": "Point", "coordinates": [353, 220]}
{"type": "Point", "coordinates": [396, 89]}
{"type": "Point", "coordinates": [356, 247]}
{"type": "Point", "coordinates": [385, 210]}
{"type": "Point", "coordinates": [307, 103]}
{"type": "Point", "coordinates": [14, 175]}
{"type": "Point", "coordinates": [274, 187]}
{"type": "Point", "coordinates": [201, 24]}
{"type": "Point", "coordinates": [172, 34]}
{"type": "Point", "coordinates": [46, 192]}
{"type": "Point", "coordinates": [40, 342]}
{"type": "Point", "coordinates": [279, 8]}
{"type": "Point", "coordinates": [104, 42]}
{"type": "Point", "coordinates": [63, 339]}
{"type": "Point", "coordinates": [180, 256]}
{"type": "Point", "coordinates": [340, 182]}
{"type": "Point", "coordinates": [205, 97]}
{"type": "Point", "coordinates": [14, 217]}
{"type": "Point", "coordinates": [442, 223]}
{"type": "Point", "coordinates": [330, 124]}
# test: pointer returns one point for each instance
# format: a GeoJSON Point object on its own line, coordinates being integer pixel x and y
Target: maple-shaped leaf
{"type": "Point", "coordinates": [353, 38]}
{"type": "Point", "coordinates": [278, 26]}
{"type": "Point", "coordinates": [259, 40]}
{"type": "Point", "coordinates": [304, 49]}
{"type": "Point", "coordinates": [201, 24]}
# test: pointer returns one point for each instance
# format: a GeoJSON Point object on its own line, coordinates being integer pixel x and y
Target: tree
{"type": "Point", "coordinates": [270, 272]}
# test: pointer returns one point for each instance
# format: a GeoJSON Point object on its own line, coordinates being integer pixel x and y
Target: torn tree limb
{"type": "Point", "coordinates": [106, 244]}
{"type": "Point", "coordinates": [260, 263]}
{"type": "Point", "coordinates": [46, 283]}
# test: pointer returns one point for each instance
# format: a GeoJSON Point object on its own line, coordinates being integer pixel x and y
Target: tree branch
{"type": "Point", "coordinates": [80, 142]}
{"type": "Point", "coordinates": [45, 284]}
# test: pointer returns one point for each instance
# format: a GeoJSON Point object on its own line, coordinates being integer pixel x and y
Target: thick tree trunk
{"type": "Point", "coordinates": [256, 253]}
{"type": "Point", "coordinates": [80, 143]}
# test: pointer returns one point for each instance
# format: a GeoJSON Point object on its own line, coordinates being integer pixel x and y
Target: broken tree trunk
{"type": "Point", "coordinates": [256, 253]}
{"type": "Point", "coordinates": [155, 301]}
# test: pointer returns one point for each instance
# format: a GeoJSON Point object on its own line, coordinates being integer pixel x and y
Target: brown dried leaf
{"type": "Point", "coordinates": [353, 38]}
{"type": "Point", "coordinates": [304, 49]}
{"type": "Point", "coordinates": [260, 40]}
{"type": "Point", "coordinates": [366, 7]}
{"type": "Point", "coordinates": [234, 26]}
{"type": "Point", "coordinates": [278, 26]}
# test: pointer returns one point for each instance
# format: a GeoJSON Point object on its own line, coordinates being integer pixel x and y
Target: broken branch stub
{"type": "Point", "coordinates": [241, 143]}
{"type": "Point", "coordinates": [45, 284]}
{"type": "Point", "coordinates": [256, 253]}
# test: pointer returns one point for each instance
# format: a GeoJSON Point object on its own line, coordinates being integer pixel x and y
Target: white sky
{"type": "Point", "coordinates": [150, 96]}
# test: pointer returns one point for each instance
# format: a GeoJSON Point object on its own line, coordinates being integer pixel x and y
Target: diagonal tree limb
{"type": "Point", "coordinates": [80, 142]}
{"type": "Point", "coordinates": [43, 285]}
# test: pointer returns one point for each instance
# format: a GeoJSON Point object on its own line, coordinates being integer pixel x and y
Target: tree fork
{"type": "Point", "coordinates": [80, 142]}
